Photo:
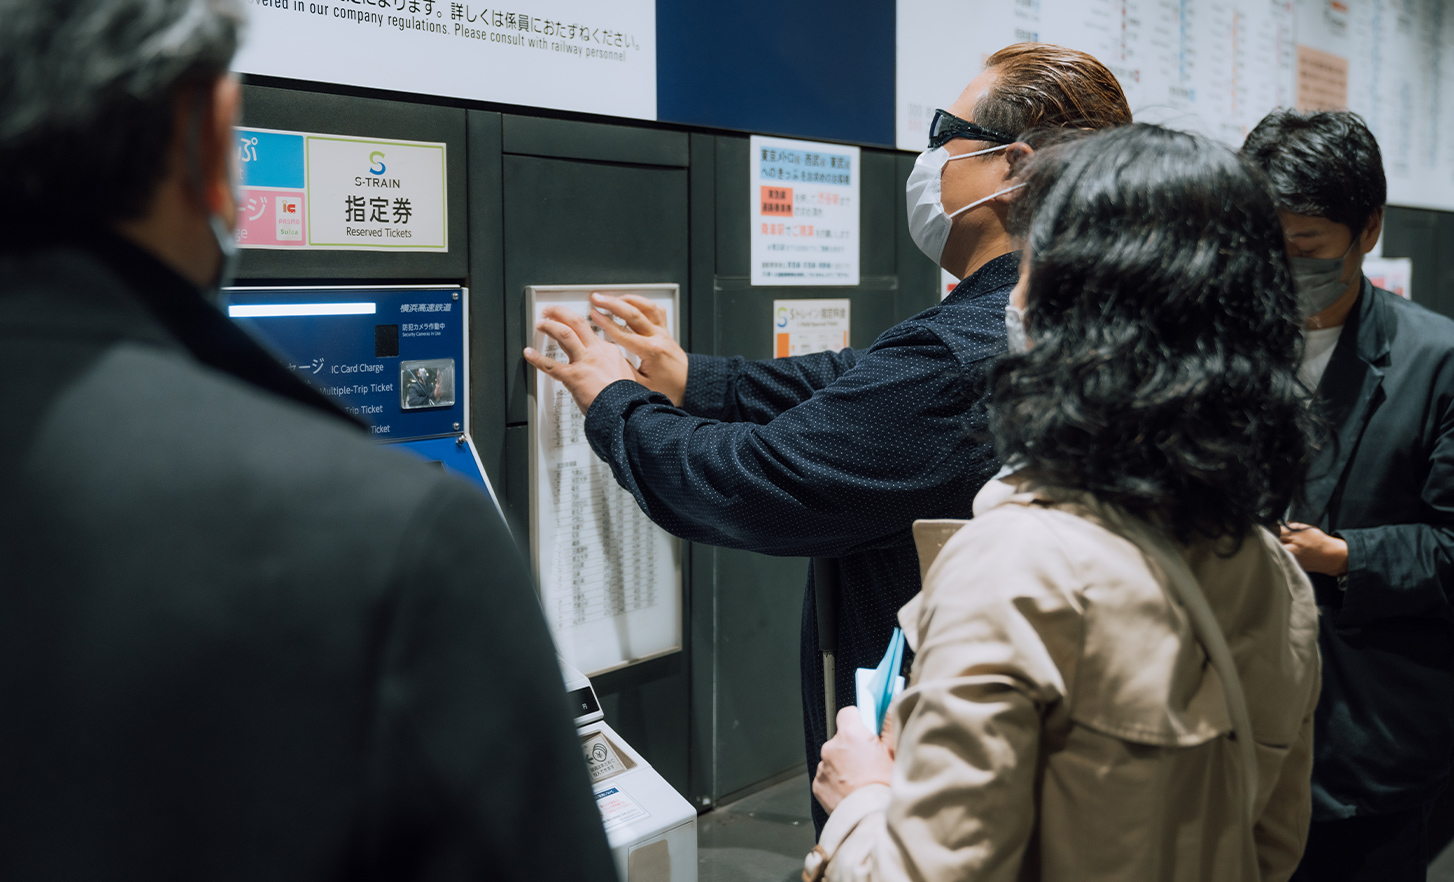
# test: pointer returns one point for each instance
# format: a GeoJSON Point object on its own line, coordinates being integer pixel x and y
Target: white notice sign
{"type": "Point", "coordinates": [804, 215]}
{"type": "Point", "coordinates": [610, 579]}
{"type": "Point", "coordinates": [802, 327]}
{"type": "Point", "coordinates": [564, 54]}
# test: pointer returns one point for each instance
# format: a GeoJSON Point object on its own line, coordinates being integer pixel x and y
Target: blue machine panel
{"type": "Point", "coordinates": [394, 357]}
{"type": "Point", "coordinates": [452, 454]}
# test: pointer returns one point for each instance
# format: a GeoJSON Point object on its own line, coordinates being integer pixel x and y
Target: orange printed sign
{"type": "Point", "coordinates": [1322, 80]}
{"type": "Point", "coordinates": [777, 201]}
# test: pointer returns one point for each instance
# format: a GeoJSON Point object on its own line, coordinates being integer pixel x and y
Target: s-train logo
{"type": "Point", "coordinates": [376, 170]}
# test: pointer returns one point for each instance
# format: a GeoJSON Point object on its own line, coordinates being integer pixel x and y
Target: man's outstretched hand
{"type": "Point", "coordinates": [594, 363]}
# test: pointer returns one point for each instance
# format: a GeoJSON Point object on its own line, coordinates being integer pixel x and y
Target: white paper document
{"type": "Point", "coordinates": [610, 579]}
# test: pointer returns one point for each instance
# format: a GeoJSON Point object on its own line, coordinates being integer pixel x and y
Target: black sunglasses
{"type": "Point", "coordinates": [946, 127]}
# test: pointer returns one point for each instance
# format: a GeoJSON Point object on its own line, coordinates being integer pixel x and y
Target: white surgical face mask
{"type": "Point", "coordinates": [1015, 329]}
{"type": "Point", "coordinates": [929, 223]}
{"type": "Point", "coordinates": [1318, 281]}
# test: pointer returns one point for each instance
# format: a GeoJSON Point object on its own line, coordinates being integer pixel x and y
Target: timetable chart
{"type": "Point", "coordinates": [610, 579]}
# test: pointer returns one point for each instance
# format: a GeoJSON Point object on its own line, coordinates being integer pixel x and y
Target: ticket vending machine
{"type": "Point", "coordinates": [397, 358]}
{"type": "Point", "coordinates": [393, 356]}
{"type": "Point", "coordinates": [651, 828]}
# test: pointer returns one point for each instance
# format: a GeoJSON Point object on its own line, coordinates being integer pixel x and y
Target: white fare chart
{"type": "Point", "coordinates": [610, 579]}
{"type": "Point", "coordinates": [1217, 66]}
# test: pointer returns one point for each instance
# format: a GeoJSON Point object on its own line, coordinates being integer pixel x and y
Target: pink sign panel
{"type": "Point", "coordinates": [271, 218]}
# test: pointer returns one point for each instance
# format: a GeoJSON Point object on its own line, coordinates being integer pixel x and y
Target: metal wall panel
{"type": "Point", "coordinates": [575, 222]}
{"type": "Point", "coordinates": [1427, 238]}
{"type": "Point", "coordinates": [486, 282]}
{"type": "Point", "coordinates": [583, 221]}
{"type": "Point", "coordinates": [747, 721]}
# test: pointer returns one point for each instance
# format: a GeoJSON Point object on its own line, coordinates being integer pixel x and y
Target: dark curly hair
{"type": "Point", "coordinates": [1164, 342]}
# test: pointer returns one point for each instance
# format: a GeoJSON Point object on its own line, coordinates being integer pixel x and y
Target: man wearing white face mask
{"type": "Point", "coordinates": [1376, 528]}
{"type": "Point", "coordinates": [834, 455]}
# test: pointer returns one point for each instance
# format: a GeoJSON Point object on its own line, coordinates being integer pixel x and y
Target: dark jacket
{"type": "Point", "coordinates": [834, 454]}
{"type": "Point", "coordinates": [1385, 485]}
{"type": "Point", "coordinates": [237, 639]}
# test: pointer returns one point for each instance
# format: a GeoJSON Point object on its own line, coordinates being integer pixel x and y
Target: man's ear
{"type": "Point", "coordinates": [1016, 155]}
{"type": "Point", "coordinates": [1371, 231]}
{"type": "Point", "coordinates": [219, 148]}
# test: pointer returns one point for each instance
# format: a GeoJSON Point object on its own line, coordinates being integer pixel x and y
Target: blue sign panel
{"type": "Point", "coordinates": [394, 357]}
{"type": "Point", "coordinates": [270, 159]}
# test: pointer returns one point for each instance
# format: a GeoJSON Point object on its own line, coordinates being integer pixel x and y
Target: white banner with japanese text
{"type": "Point", "coordinates": [592, 57]}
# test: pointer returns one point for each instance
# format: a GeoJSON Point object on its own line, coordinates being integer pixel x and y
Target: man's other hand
{"type": "Point", "coordinates": [594, 363]}
{"type": "Point", "coordinates": [646, 336]}
{"type": "Point", "coordinates": [1315, 551]}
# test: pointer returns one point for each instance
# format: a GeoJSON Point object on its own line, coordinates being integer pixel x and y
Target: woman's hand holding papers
{"type": "Point", "coordinates": [852, 758]}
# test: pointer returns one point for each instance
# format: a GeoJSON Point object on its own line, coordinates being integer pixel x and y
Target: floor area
{"type": "Point", "coordinates": [1441, 868]}
{"type": "Point", "coordinates": [759, 838]}
{"type": "Point", "coordinates": [763, 838]}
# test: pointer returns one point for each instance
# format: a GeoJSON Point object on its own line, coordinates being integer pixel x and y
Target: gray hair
{"type": "Point", "coordinates": [87, 90]}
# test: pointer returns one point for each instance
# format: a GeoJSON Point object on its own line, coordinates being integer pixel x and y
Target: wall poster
{"type": "Point", "coordinates": [804, 215]}
{"type": "Point", "coordinates": [802, 327]}
{"type": "Point", "coordinates": [1217, 67]}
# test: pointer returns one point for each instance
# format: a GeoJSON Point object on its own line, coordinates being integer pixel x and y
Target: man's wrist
{"type": "Point", "coordinates": [1340, 555]}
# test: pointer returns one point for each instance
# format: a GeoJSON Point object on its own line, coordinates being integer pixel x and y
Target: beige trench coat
{"type": "Point", "coordinates": [1063, 723]}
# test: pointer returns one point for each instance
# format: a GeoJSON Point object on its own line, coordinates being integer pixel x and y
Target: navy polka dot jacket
{"type": "Point", "coordinates": [827, 455]}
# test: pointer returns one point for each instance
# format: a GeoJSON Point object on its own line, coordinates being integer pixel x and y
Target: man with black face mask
{"type": "Point", "coordinates": [1376, 528]}
{"type": "Point", "coordinates": [238, 640]}
{"type": "Point", "coordinates": [834, 455]}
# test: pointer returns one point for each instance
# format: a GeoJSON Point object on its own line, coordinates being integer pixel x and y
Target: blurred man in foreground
{"type": "Point", "coordinates": [237, 641]}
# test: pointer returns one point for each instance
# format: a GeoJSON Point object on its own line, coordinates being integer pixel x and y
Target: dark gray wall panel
{"type": "Point", "coordinates": [759, 705]}
{"type": "Point", "coordinates": [269, 108]}
{"type": "Point", "coordinates": [734, 249]}
{"type": "Point", "coordinates": [701, 576]}
{"type": "Point", "coordinates": [878, 190]}
{"type": "Point", "coordinates": [570, 222]}
{"type": "Point", "coordinates": [747, 720]}
{"type": "Point", "coordinates": [1427, 238]}
{"type": "Point", "coordinates": [568, 139]}
{"type": "Point", "coordinates": [487, 295]}
{"type": "Point", "coordinates": [647, 705]}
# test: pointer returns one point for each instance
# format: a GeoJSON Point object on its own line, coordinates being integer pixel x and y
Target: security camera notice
{"type": "Point", "coordinates": [564, 54]}
{"type": "Point", "coordinates": [306, 190]}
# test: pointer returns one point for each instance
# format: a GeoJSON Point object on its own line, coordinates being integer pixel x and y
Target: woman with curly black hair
{"type": "Point", "coordinates": [1116, 659]}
